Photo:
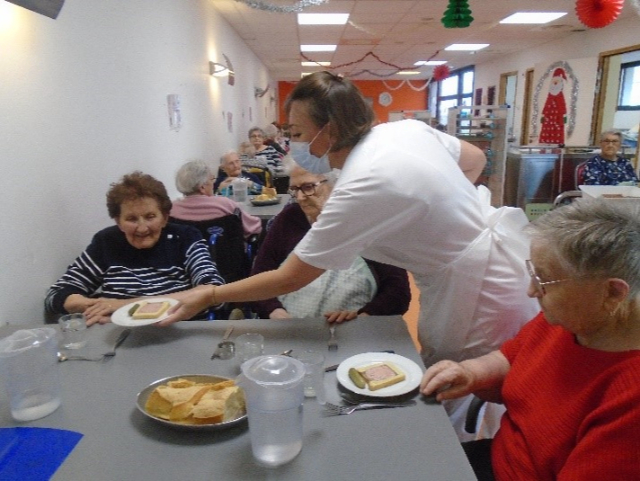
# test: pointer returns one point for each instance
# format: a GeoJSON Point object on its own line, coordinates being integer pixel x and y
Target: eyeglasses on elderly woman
{"type": "Point", "coordinates": [306, 189]}
{"type": "Point", "coordinates": [539, 284]}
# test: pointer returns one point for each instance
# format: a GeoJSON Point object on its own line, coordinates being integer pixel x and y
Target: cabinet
{"type": "Point", "coordinates": [485, 127]}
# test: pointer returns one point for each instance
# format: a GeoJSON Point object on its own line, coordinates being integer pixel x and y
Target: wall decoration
{"type": "Point", "coordinates": [396, 68]}
{"type": "Point", "coordinates": [457, 14]}
{"type": "Point", "coordinates": [491, 95]}
{"type": "Point", "coordinates": [477, 100]}
{"type": "Point", "coordinates": [269, 7]}
{"type": "Point", "coordinates": [175, 115]}
{"type": "Point", "coordinates": [406, 82]}
{"type": "Point", "coordinates": [598, 13]}
{"type": "Point", "coordinates": [231, 79]}
{"type": "Point", "coordinates": [259, 93]}
{"type": "Point", "coordinates": [385, 99]}
{"type": "Point", "coordinates": [556, 118]}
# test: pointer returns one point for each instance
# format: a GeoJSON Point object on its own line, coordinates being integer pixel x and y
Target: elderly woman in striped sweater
{"type": "Point", "coordinates": [142, 255]}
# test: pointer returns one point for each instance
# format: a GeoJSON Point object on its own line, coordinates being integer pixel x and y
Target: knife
{"type": "Point", "coordinates": [218, 350]}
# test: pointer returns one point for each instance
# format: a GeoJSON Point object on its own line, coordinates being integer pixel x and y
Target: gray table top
{"type": "Point", "coordinates": [265, 212]}
{"type": "Point", "coordinates": [98, 400]}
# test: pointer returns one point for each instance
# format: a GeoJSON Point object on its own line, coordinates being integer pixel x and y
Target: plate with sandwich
{"type": "Point", "coordinates": [194, 402]}
{"type": "Point", "coordinates": [379, 374]}
{"type": "Point", "coordinates": [143, 313]}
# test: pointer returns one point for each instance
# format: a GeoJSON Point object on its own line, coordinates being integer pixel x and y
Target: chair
{"type": "Point", "coordinates": [579, 173]}
{"type": "Point", "coordinates": [569, 196]}
{"type": "Point", "coordinates": [229, 250]}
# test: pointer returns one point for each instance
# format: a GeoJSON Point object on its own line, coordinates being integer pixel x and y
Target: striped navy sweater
{"type": "Point", "coordinates": [111, 267]}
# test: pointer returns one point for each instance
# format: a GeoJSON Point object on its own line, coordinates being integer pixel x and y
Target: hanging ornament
{"type": "Point", "coordinates": [598, 13]}
{"type": "Point", "coordinates": [269, 7]}
{"type": "Point", "coordinates": [457, 14]}
{"type": "Point", "coordinates": [441, 72]}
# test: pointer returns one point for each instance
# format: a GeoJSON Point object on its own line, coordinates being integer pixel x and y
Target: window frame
{"type": "Point", "coordinates": [459, 96]}
{"type": "Point", "coordinates": [623, 69]}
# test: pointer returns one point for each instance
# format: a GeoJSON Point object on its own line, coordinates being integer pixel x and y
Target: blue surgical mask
{"type": "Point", "coordinates": [301, 153]}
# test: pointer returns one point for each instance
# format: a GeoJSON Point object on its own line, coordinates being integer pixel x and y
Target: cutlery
{"type": "Point", "coordinates": [340, 410]}
{"type": "Point", "coordinates": [333, 367]}
{"type": "Point", "coordinates": [107, 355]}
{"type": "Point", "coordinates": [226, 349]}
{"type": "Point", "coordinates": [332, 345]}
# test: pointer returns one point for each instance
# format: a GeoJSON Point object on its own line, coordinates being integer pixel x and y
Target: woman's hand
{"type": "Point", "coordinates": [279, 313]}
{"type": "Point", "coordinates": [448, 380]}
{"type": "Point", "coordinates": [191, 303]}
{"type": "Point", "coordinates": [99, 310]}
{"type": "Point", "coordinates": [340, 316]}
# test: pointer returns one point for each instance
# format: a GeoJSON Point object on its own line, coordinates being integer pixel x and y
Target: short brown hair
{"type": "Point", "coordinates": [335, 100]}
{"type": "Point", "coordinates": [136, 186]}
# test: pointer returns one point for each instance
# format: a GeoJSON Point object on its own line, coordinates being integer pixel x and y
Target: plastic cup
{"type": "Point", "coordinates": [249, 345]}
{"type": "Point", "coordinates": [74, 330]}
{"type": "Point", "coordinates": [313, 381]}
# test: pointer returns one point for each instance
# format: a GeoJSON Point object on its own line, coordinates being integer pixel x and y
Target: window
{"type": "Point", "coordinates": [457, 89]}
{"type": "Point", "coordinates": [629, 96]}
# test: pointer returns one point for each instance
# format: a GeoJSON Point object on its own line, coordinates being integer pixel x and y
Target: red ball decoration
{"type": "Point", "coordinates": [441, 72]}
{"type": "Point", "coordinates": [598, 13]}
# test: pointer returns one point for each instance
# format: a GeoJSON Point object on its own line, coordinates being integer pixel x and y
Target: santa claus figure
{"type": "Point", "coordinates": [554, 113]}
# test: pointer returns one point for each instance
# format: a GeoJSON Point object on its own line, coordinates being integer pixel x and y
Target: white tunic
{"type": "Point", "coordinates": [403, 200]}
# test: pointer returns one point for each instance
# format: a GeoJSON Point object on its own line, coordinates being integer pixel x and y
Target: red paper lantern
{"type": "Point", "coordinates": [441, 72]}
{"type": "Point", "coordinates": [598, 13]}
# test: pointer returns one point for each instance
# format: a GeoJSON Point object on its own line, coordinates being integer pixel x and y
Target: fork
{"type": "Point", "coordinates": [333, 342]}
{"type": "Point", "coordinates": [107, 355]}
{"type": "Point", "coordinates": [339, 410]}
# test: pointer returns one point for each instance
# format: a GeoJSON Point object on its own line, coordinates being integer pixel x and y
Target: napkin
{"type": "Point", "coordinates": [34, 454]}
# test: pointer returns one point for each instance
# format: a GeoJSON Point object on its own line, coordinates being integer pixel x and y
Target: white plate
{"type": "Point", "coordinates": [412, 371]}
{"type": "Point", "coordinates": [122, 318]}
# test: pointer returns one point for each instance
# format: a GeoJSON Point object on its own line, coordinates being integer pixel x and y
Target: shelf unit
{"type": "Point", "coordinates": [485, 127]}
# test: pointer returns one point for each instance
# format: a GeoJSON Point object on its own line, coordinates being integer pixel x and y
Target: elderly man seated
{"type": "Point", "coordinates": [366, 288]}
{"type": "Point", "coordinates": [232, 170]}
{"type": "Point", "coordinates": [195, 180]}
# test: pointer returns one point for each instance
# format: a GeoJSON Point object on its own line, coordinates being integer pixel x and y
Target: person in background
{"type": "Point", "coordinates": [231, 170]}
{"type": "Point", "coordinates": [608, 168]}
{"type": "Point", "coordinates": [365, 288]}
{"type": "Point", "coordinates": [271, 134]}
{"type": "Point", "coordinates": [405, 197]}
{"type": "Point", "coordinates": [266, 156]}
{"type": "Point", "coordinates": [142, 255]}
{"type": "Point", "coordinates": [195, 180]}
{"type": "Point", "coordinates": [569, 379]}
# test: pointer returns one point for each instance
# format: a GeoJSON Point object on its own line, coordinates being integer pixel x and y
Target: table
{"type": "Point", "coordinates": [119, 443]}
{"type": "Point", "coordinates": [265, 212]}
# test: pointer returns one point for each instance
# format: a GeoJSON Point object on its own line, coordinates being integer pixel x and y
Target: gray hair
{"type": "Point", "coordinates": [223, 157]}
{"type": "Point", "coordinates": [255, 129]}
{"type": "Point", "coordinates": [270, 131]}
{"type": "Point", "coordinates": [617, 133]}
{"type": "Point", "coordinates": [594, 238]}
{"type": "Point", "coordinates": [192, 175]}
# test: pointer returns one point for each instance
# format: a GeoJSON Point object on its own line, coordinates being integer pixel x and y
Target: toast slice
{"type": "Point", "coordinates": [381, 374]}
{"type": "Point", "coordinates": [150, 310]}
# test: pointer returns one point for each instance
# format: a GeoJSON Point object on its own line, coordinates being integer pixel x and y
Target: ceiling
{"type": "Point", "coordinates": [397, 32]}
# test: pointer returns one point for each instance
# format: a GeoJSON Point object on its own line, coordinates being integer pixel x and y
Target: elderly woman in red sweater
{"type": "Point", "coordinates": [569, 379]}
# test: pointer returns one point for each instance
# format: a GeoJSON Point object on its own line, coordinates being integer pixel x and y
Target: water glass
{"type": "Point", "coordinates": [314, 374]}
{"type": "Point", "coordinates": [74, 330]}
{"type": "Point", "coordinates": [249, 345]}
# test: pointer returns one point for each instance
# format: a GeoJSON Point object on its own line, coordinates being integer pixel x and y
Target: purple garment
{"type": "Point", "coordinates": [291, 225]}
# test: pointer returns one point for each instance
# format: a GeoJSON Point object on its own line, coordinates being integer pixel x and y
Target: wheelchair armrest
{"type": "Point", "coordinates": [471, 421]}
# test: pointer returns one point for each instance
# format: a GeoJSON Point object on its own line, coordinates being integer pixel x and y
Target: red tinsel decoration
{"type": "Point", "coordinates": [598, 13]}
{"type": "Point", "coordinates": [441, 72]}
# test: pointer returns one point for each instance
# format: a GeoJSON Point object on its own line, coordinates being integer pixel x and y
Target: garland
{"type": "Point", "coordinates": [269, 7]}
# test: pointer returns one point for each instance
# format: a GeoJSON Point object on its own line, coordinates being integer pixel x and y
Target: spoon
{"type": "Point", "coordinates": [226, 349]}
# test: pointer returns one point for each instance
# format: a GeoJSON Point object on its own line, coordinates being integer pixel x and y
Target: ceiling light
{"type": "Point", "coordinates": [315, 64]}
{"type": "Point", "coordinates": [408, 72]}
{"type": "Point", "coordinates": [420, 63]}
{"type": "Point", "coordinates": [533, 17]}
{"type": "Point", "coordinates": [467, 46]}
{"type": "Point", "coordinates": [318, 48]}
{"type": "Point", "coordinates": [322, 18]}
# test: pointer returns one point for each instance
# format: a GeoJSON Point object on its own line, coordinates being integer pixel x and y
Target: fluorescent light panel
{"type": "Point", "coordinates": [322, 18]}
{"type": "Point", "coordinates": [318, 48]}
{"type": "Point", "coordinates": [315, 64]}
{"type": "Point", "coordinates": [408, 72]}
{"type": "Point", "coordinates": [421, 63]}
{"type": "Point", "coordinates": [533, 17]}
{"type": "Point", "coordinates": [467, 46]}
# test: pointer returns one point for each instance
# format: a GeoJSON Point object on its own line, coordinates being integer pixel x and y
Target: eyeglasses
{"type": "Point", "coordinates": [538, 283]}
{"type": "Point", "coordinates": [610, 141]}
{"type": "Point", "coordinates": [306, 189]}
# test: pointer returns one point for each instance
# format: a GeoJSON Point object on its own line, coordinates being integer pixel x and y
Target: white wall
{"type": "Point", "coordinates": [84, 100]}
{"type": "Point", "coordinates": [579, 45]}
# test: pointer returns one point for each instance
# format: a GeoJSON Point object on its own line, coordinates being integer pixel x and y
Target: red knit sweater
{"type": "Point", "coordinates": [573, 413]}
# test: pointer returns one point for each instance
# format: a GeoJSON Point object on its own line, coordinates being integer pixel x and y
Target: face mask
{"type": "Point", "coordinates": [300, 151]}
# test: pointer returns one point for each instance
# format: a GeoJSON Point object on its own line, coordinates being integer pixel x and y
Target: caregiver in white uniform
{"type": "Point", "coordinates": [404, 197]}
